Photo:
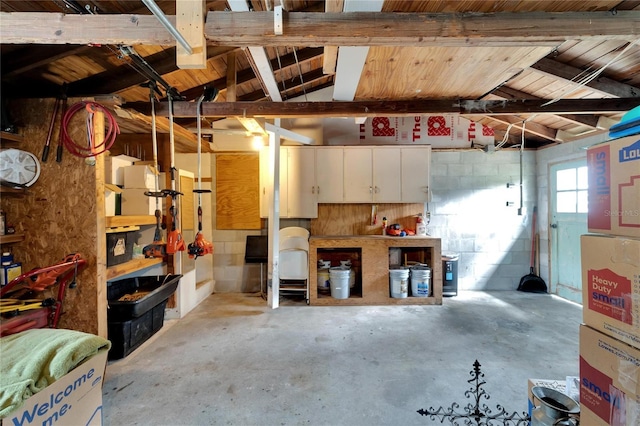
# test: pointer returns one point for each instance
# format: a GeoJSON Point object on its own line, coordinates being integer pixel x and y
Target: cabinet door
{"type": "Point", "coordinates": [329, 175]}
{"type": "Point", "coordinates": [265, 182]}
{"type": "Point", "coordinates": [386, 175]}
{"type": "Point", "coordinates": [301, 183]}
{"type": "Point", "coordinates": [358, 178]}
{"type": "Point", "coordinates": [416, 164]}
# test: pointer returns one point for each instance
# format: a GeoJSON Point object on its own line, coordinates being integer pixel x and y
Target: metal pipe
{"type": "Point", "coordinates": [153, 7]}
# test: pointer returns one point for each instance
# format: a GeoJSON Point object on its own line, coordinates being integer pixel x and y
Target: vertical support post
{"type": "Point", "coordinates": [273, 281]}
{"type": "Point", "coordinates": [190, 16]}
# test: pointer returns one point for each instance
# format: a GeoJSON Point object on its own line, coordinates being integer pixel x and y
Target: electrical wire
{"type": "Point", "coordinates": [90, 149]}
{"type": "Point", "coordinates": [590, 77]}
{"type": "Point", "coordinates": [304, 90]}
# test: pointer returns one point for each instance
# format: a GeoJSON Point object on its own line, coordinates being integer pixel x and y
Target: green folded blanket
{"type": "Point", "coordinates": [32, 360]}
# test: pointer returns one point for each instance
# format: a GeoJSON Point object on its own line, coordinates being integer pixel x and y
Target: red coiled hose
{"type": "Point", "coordinates": [89, 149]}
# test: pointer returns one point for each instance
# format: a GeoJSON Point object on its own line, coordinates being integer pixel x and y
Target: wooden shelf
{"type": "Point", "coordinates": [10, 139]}
{"type": "Point", "coordinates": [11, 238]}
{"type": "Point", "coordinates": [374, 268]}
{"type": "Point", "coordinates": [131, 266]}
{"type": "Point", "coordinates": [116, 221]}
{"type": "Point", "coordinates": [5, 190]}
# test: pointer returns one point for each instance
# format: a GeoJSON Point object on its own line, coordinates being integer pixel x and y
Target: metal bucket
{"type": "Point", "coordinates": [555, 409]}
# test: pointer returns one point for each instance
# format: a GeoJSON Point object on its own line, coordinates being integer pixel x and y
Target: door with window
{"type": "Point", "coordinates": [568, 207]}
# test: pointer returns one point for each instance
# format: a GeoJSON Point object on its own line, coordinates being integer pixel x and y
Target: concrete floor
{"type": "Point", "coordinates": [233, 361]}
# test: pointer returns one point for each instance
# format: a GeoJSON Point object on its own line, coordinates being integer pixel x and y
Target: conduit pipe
{"type": "Point", "coordinates": [153, 7]}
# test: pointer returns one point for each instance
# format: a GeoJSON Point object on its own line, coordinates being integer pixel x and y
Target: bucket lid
{"type": "Point", "coordinates": [339, 270]}
{"type": "Point", "coordinates": [420, 267]}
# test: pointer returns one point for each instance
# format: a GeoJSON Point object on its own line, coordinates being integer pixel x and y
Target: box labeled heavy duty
{"type": "Point", "coordinates": [611, 286]}
{"type": "Point", "coordinates": [609, 380]}
{"type": "Point", "coordinates": [120, 244]}
{"type": "Point", "coordinates": [614, 187]}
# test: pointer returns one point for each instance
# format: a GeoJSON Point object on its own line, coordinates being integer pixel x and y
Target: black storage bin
{"type": "Point", "coordinates": [131, 322]}
{"type": "Point", "coordinates": [157, 287]}
{"type": "Point", "coordinates": [120, 247]}
{"type": "Point", "coordinates": [127, 336]}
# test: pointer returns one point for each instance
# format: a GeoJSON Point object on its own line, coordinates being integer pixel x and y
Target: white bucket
{"type": "Point", "coordinates": [420, 281]}
{"type": "Point", "coordinates": [339, 282]}
{"type": "Point", "coordinates": [399, 282]}
{"type": "Point", "coordinates": [323, 280]}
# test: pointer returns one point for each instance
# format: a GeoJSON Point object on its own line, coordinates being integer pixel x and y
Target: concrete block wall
{"type": "Point", "coordinates": [469, 213]}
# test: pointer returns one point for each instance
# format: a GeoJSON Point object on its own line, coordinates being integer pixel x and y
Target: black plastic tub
{"type": "Point", "coordinates": [127, 336]}
{"type": "Point", "coordinates": [159, 288]}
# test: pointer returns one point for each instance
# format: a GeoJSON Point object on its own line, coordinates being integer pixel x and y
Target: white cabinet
{"type": "Point", "coordinates": [372, 175]}
{"type": "Point", "coordinates": [329, 174]}
{"type": "Point", "coordinates": [298, 198]}
{"type": "Point", "coordinates": [302, 198]}
{"type": "Point", "coordinates": [416, 174]}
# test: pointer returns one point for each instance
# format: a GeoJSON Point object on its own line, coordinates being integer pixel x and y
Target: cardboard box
{"type": "Point", "coordinates": [611, 286]}
{"type": "Point", "coordinates": [609, 380]}
{"type": "Point", "coordinates": [140, 176]}
{"type": "Point", "coordinates": [111, 199]}
{"type": "Point", "coordinates": [134, 202]}
{"type": "Point", "coordinates": [114, 168]}
{"type": "Point", "coordinates": [75, 399]}
{"type": "Point", "coordinates": [614, 187]}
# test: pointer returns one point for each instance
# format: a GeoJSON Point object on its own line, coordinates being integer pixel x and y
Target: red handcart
{"type": "Point", "coordinates": [24, 304]}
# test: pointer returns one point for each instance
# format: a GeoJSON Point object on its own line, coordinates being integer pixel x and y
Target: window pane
{"type": "Point", "coordinates": [583, 181]}
{"type": "Point", "coordinates": [566, 202]}
{"type": "Point", "coordinates": [582, 202]}
{"type": "Point", "coordinates": [566, 179]}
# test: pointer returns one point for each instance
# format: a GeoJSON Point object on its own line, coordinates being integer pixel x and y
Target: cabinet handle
{"type": "Point", "coordinates": [313, 189]}
{"type": "Point", "coordinates": [370, 190]}
{"type": "Point", "coordinates": [318, 190]}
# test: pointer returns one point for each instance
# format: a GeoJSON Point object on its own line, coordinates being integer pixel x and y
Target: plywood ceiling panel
{"type": "Point", "coordinates": [441, 72]}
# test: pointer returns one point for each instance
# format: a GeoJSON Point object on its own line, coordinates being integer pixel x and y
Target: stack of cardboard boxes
{"type": "Point", "coordinates": [610, 333]}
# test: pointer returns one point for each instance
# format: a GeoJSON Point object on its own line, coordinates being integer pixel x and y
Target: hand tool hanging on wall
{"type": "Point", "coordinates": [200, 246]}
{"type": "Point", "coordinates": [158, 248]}
{"type": "Point", "coordinates": [64, 110]}
{"type": "Point", "coordinates": [52, 123]}
{"type": "Point", "coordinates": [175, 242]}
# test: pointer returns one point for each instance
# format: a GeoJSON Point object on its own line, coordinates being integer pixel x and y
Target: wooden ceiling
{"type": "Point", "coordinates": [564, 69]}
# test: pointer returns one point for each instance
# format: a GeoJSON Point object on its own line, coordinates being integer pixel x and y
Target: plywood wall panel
{"type": "Point", "coordinates": [237, 191]}
{"type": "Point", "coordinates": [59, 215]}
{"type": "Point", "coordinates": [355, 219]}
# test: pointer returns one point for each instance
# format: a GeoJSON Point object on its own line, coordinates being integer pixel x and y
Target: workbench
{"type": "Point", "coordinates": [369, 256]}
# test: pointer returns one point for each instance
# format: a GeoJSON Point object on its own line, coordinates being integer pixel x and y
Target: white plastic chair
{"type": "Point", "coordinates": [294, 260]}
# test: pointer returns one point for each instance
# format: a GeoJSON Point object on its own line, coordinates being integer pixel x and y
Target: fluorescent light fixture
{"type": "Point", "coordinates": [253, 125]}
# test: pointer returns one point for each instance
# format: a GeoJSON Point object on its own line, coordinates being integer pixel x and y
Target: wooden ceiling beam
{"type": "Point", "coordinates": [529, 127]}
{"type": "Point", "coordinates": [603, 85]}
{"type": "Point", "coordinates": [505, 92]}
{"type": "Point", "coordinates": [328, 29]}
{"type": "Point", "coordinates": [392, 108]}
